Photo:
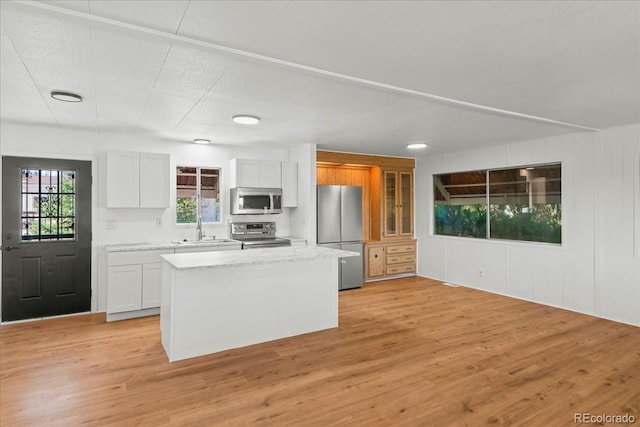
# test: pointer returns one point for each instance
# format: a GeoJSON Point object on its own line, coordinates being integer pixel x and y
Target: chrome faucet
{"type": "Point", "coordinates": [199, 228]}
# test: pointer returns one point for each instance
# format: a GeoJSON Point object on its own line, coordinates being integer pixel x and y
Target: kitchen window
{"type": "Point", "coordinates": [523, 203]}
{"type": "Point", "coordinates": [197, 194]}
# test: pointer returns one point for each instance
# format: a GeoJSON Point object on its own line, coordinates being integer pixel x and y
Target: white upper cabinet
{"type": "Point", "coordinates": [255, 173]}
{"type": "Point", "coordinates": [137, 180]}
{"type": "Point", "coordinates": [154, 180]}
{"type": "Point", "coordinates": [123, 179]}
{"type": "Point", "coordinates": [270, 174]}
{"type": "Point", "coordinates": [289, 184]}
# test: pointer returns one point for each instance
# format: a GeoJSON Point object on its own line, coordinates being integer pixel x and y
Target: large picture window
{"type": "Point", "coordinates": [197, 194]}
{"type": "Point", "coordinates": [523, 203]}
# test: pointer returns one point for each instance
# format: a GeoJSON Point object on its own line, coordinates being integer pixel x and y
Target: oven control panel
{"type": "Point", "coordinates": [253, 230]}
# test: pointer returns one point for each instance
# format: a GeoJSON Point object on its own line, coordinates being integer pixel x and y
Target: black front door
{"type": "Point", "coordinates": [46, 237]}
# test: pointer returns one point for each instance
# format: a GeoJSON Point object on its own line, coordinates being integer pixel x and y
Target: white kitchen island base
{"type": "Point", "coordinates": [212, 302]}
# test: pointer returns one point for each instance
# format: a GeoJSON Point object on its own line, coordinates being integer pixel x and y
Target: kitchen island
{"type": "Point", "coordinates": [214, 301]}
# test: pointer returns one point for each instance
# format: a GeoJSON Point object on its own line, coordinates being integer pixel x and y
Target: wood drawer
{"type": "Point", "coordinates": [403, 268]}
{"type": "Point", "coordinates": [405, 247]}
{"type": "Point", "coordinates": [401, 258]}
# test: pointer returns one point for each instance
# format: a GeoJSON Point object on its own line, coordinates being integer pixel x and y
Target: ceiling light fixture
{"type": "Point", "coordinates": [417, 146]}
{"type": "Point", "coordinates": [246, 120]}
{"type": "Point", "coordinates": [201, 141]}
{"type": "Point", "coordinates": [66, 96]}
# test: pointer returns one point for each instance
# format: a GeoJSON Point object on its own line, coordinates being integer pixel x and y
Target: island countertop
{"type": "Point", "coordinates": [252, 256]}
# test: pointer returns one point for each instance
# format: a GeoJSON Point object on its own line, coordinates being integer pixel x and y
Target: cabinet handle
{"type": "Point", "coordinates": [375, 256]}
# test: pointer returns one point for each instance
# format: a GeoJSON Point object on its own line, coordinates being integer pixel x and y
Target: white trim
{"type": "Point", "coordinates": [636, 209]}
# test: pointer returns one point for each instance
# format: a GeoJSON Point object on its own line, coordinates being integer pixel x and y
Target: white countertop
{"type": "Point", "coordinates": [252, 256]}
{"type": "Point", "coordinates": [147, 246]}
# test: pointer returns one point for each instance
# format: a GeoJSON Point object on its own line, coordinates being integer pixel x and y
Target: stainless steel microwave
{"type": "Point", "coordinates": [255, 201]}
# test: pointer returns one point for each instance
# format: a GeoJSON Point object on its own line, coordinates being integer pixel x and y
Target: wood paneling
{"type": "Point", "coordinates": [408, 352]}
{"type": "Point", "coordinates": [365, 159]}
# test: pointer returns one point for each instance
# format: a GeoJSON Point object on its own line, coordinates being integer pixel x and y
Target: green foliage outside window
{"type": "Point", "coordinates": [539, 223]}
{"type": "Point", "coordinates": [55, 212]}
{"type": "Point", "coordinates": [461, 220]}
{"type": "Point", "coordinates": [522, 204]}
{"type": "Point", "coordinates": [186, 210]}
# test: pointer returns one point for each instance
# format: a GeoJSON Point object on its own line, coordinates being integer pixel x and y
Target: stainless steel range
{"type": "Point", "coordinates": [255, 235]}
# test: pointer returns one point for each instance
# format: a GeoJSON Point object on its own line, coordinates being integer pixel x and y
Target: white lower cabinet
{"type": "Point", "coordinates": [134, 283]}
{"type": "Point", "coordinates": [151, 284]}
{"type": "Point", "coordinates": [134, 280]}
{"type": "Point", "coordinates": [125, 288]}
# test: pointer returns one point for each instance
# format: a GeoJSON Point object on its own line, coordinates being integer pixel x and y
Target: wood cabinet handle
{"type": "Point", "coordinates": [375, 256]}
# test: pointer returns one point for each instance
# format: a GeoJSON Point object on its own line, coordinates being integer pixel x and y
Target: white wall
{"type": "Point", "coordinates": [596, 270]}
{"type": "Point", "coordinates": [140, 225]}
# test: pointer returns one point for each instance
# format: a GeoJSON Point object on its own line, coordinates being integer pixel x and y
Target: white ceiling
{"type": "Point", "coordinates": [349, 76]}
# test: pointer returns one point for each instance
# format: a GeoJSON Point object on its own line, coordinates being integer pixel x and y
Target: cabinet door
{"type": "Point", "coordinates": [123, 179]}
{"type": "Point", "coordinates": [245, 173]}
{"type": "Point", "coordinates": [289, 184]}
{"type": "Point", "coordinates": [151, 284]}
{"type": "Point", "coordinates": [124, 288]}
{"type": "Point", "coordinates": [390, 214]}
{"type": "Point", "coordinates": [154, 180]}
{"type": "Point", "coordinates": [375, 261]}
{"type": "Point", "coordinates": [405, 194]}
{"type": "Point", "coordinates": [270, 174]}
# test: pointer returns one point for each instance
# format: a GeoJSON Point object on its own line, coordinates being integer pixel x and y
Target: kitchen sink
{"type": "Point", "coordinates": [204, 242]}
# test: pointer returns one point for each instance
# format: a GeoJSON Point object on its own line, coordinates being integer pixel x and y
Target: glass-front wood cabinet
{"type": "Point", "coordinates": [397, 196]}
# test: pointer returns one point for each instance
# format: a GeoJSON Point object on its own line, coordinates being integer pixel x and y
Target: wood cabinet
{"type": "Point", "coordinates": [137, 180]}
{"type": "Point", "coordinates": [387, 184]}
{"type": "Point", "coordinates": [389, 259]}
{"type": "Point", "coordinates": [397, 203]}
{"type": "Point", "coordinates": [255, 173]}
{"type": "Point", "coordinates": [375, 260]}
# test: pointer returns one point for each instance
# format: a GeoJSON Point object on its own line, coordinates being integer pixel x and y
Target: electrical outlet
{"type": "Point", "coordinates": [159, 222]}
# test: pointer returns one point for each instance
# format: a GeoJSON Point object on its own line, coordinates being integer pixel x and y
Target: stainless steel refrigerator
{"type": "Point", "coordinates": [340, 227]}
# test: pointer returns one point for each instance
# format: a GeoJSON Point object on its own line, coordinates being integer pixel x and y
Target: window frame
{"type": "Point", "coordinates": [220, 198]}
{"type": "Point", "coordinates": [487, 205]}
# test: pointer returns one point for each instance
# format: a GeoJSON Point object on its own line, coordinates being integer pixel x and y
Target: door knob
{"type": "Point", "coordinates": [9, 248]}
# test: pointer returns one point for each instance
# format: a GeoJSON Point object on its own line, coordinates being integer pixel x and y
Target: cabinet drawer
{"type": "Point", "coordinates": [401, 258]}
{"type": "Point", "coordinates": [396, 249]}
{"type": "Point", "coordinates": [404, 268]}
{"type": "Point", "coordinates": [136, 257]}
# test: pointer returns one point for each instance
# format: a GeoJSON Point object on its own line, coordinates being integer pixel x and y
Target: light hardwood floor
{"type": "Point", "coordinates": [408, 352]}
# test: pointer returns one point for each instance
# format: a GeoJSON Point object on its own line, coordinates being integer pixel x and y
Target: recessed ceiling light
{"type": "Point", "coordinates": [417, 146]}
{"type": "Point", "coordinates": [66, 96]}
{"type": "Point", "coordinates": [201, 141]}
{"type": "Point", "coordinates": [246, 120]}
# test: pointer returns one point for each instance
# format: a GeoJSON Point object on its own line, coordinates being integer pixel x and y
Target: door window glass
{"type": "Point", "coordinates": [48, 204]}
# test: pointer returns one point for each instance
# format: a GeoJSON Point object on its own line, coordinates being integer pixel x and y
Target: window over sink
{"type": "Point", "coordinates": [197, 194]}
